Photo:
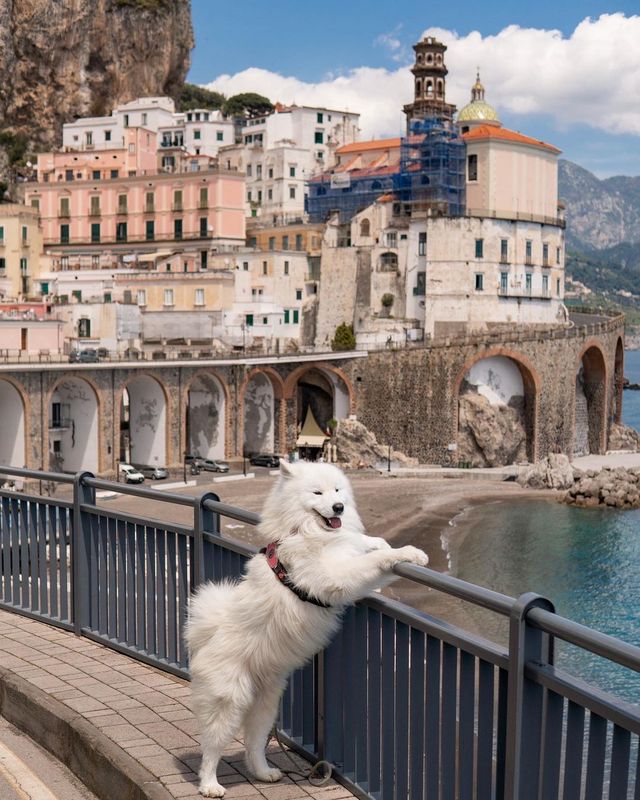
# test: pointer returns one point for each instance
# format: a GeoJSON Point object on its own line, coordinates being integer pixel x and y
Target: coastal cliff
{"type": "Point", "coordinates": [61, 59]}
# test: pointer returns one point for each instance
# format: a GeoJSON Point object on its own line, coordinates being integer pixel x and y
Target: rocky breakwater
{"type": "Point", "coordinates": [617, 488]}
{"type": "Point", "coordinates": [61, 59]}
{"type": "Point", "coordinates": [613, 487]}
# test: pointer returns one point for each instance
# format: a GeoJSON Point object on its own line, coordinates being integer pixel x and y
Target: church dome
{"type": "Point", "coordinates": [478, 110]}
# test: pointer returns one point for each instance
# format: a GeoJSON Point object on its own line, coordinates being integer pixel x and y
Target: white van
{"type": "Point", "coordinates": [131, 474]}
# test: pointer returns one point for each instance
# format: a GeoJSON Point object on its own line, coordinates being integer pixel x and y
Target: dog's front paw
{"type": "Point", "coordinates": [211, 789]}
{"type": "Point", "coordinates": [411, 554]}
{"type": "Point", "coordinates": [270, 775]}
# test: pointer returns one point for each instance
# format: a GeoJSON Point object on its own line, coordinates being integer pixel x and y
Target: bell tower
{"type": "Point", "coordinates": [430, 74]}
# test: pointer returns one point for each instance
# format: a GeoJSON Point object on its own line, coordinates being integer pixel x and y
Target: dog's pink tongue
{"type": "Point", "coordinates": [335, 522]}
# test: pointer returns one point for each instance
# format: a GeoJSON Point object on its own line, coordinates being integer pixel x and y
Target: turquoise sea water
{"type": "Point", "coordinates": [631, 400]}
{"type": "Point", "coordinates": [586, 560]}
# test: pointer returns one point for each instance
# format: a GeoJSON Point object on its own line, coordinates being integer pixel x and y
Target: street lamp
{"type": "Point", "coordinates": [184, 467]}
{"type": "Point", "coordinates": [389, 460]}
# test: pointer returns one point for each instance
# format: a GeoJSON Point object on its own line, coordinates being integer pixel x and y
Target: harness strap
{"type": "Point", "coordinates": [280, 571]}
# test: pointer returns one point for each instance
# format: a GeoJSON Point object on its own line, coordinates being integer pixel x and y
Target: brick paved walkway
{"type": "Point", "coordinates": [143, 710]}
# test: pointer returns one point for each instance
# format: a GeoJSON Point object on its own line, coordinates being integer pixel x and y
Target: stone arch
{"type": "Point", "coordinates": [618, 380]}
{"type": "Point", "coordinates": [337, 374]}
{"type": "Point", "coordinates": [207, 409]}
{"type": "Point", "coordinates": [144, 421]}
{"type": "Point", "coordinates": [323, 389]}
{"type": "Point", "coordinates": [418, 87]}
{"type": "Point", "coordinates": [13, 431]}
{"type": "Point", "coordinates": [73, 421]}
{"type": "Point", "coordinates": [264, 402]}
{"type": "Point", "coordinates": [590, 400]}
{"type": "Point", "coordinates": [439, 87]}
{"type": "Point", "coordinates": [512, 373]}
{"type": "Point", "coordinates": [428, 88]}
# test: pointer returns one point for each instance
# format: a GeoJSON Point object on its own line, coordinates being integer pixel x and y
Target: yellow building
{"type": "Point", "coordinates": [302, 237]}
{"type": "Point", "coordinates": [21, 252]}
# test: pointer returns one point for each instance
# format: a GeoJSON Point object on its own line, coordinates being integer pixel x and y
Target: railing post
{"type": "Point", "coordinates": [203, 521]}
{"type": "Point", "coordinates": [80, 567]}
{"type": "Point", "coordinates": [525, 699]}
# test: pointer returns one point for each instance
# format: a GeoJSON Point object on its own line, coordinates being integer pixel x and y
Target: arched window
{"type": "Point", "coordinates": [376, 185]}
{"type": "Point", "coordinates": [429, 89]}
{"type": "Point", "coordinates": [418, 87]}
{"type": "Point", "coordinates": [365, 228]}
{"type": "Point", "coordinates": [388, 262]}
{"type": "Point", "coordinates": [429, 58]}
{"type": "Point", "coordinates": [440, 87]}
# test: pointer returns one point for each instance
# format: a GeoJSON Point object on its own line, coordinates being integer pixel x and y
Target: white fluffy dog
{"type": "Point", "coordinates": [246, 638]}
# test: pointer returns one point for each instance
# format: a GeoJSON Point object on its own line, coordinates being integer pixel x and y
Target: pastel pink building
{"type": "Point", "coordinates": [118, 198]}
{"type": "Point", "coordinates": [30, 337]}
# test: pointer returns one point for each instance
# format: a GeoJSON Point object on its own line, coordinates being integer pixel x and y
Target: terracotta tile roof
{"type": "Point", "coordinates": [493, 132]}
{"type": "Point", "coordinates": [386, 198]}
{"type": "Point", "coordinates": [375, 144]}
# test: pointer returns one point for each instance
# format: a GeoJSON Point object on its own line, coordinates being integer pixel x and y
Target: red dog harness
{"type": "Point", "coordinates": [280, 571]}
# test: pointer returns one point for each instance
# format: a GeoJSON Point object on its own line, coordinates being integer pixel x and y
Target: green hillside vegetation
{"type": "Point", "coordinates": [245, 104]}
{"type": "Point", "coordinates": [607, 271]}
{"type": "Point", "coordinates": [193, 96]}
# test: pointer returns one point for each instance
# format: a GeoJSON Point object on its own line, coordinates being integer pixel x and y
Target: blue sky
{"type": "Point", "coordinates": [551, 71]}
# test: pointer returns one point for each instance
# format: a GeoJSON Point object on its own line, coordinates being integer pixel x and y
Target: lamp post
{"type": "Point", "coordinates": [184, 467]}
{"type": "Point", "coordinates": [389, 460]}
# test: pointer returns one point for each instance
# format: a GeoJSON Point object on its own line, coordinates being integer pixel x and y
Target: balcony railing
{"type": "Point", "coordinates": [402, 704]}
{"type": "Point", "coordinates": [131, 239]}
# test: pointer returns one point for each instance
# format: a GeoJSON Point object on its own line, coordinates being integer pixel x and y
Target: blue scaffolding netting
{"type": "Point", "coordinates": [430, 177]}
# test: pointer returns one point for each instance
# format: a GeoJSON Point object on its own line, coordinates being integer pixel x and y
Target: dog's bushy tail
{"type": "Point", "coordinates": [206, 609]}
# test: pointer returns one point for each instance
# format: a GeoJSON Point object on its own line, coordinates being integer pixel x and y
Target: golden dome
{"type": "Point", "coordinates": [478, 110]}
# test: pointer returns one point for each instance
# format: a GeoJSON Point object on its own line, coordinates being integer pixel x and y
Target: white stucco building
{"type": "Point", "coordinates": [279, 153]}
{"type": "Point", "coordinates": [197, 131]}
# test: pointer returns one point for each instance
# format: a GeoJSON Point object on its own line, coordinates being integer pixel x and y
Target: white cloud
{"type": "Point", "coordinates": [591, 77]}
{"type": "Point", "coordinates": [394, 46]}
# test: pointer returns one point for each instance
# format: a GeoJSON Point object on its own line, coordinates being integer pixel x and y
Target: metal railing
{"type": "Point", "coordinates": [404, 705]}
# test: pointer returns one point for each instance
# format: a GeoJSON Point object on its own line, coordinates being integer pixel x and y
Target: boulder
{"type": "Point", "coordinates": [553, 472]}
{"type": "Point", "coordinates": [357, 447]}
{"type": "Point", "coordinates": [490, 435]}
{"type": "Point", "coordinates": [622, 437]}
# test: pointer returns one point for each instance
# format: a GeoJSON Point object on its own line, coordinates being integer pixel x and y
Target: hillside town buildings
{"type": "Point", "coordinates": [158, 237]}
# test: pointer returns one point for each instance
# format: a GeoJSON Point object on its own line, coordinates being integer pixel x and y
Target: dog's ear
{"type": "Point", "coordinates": [287, 469]}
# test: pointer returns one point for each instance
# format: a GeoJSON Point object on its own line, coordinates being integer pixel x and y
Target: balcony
{"type": "Point", "coordinates": [122, 211]}
{"type": "Point", "coordinates": [149, 208]}
{"type": "Point", "coordinates": [177, 207]}
{"type": "Point", "coordinates": [95, 212]}
{"type": "Point", "coordinates": [63, 213]}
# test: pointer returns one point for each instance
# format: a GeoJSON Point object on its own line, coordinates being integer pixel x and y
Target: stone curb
{"type": "Point", "coordinates": [103, 767]}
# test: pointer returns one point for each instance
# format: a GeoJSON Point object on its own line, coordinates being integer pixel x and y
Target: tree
{"type": "Point", "coordinates": [387, 300]}
{"type": "Point", "coordinates": [343, 338]}
{"type": "Point", "coordinates": [247, 104]}
{"type": "Point", "coordinates": [193, 96]}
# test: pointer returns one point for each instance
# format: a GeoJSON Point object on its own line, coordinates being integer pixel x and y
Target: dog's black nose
{"type": "Point", "coordinates": [338, 508]}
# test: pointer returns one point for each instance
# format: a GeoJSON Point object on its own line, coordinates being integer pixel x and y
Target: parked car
{"type": "Point", "coordinates": [155, 473]}
{"type": "Point", "coordinates": [265, 460]}
{"type": "Point", "coordinates": [211, 465]}
{"type": "Point", "coordinates": [131, 474]}
{"type": "Point", "coordinates": [88, 356]}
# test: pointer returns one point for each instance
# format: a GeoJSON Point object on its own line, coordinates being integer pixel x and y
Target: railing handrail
{"type": "Point", "coordinates": [123, 579]}
{"type": "Point", "coordinates": [601, 644]}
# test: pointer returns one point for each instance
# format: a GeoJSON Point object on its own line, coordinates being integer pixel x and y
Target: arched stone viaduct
{"type": "Point", "coordinates": [571, 377]}
{"type": "Point", "coordinates": [71, 417]}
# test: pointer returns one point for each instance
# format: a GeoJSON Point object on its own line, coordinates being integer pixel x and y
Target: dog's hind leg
{"type": "Point", "coordinates": [217, 730]}
{"type": "Point", "coordinates": [258, 722]}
